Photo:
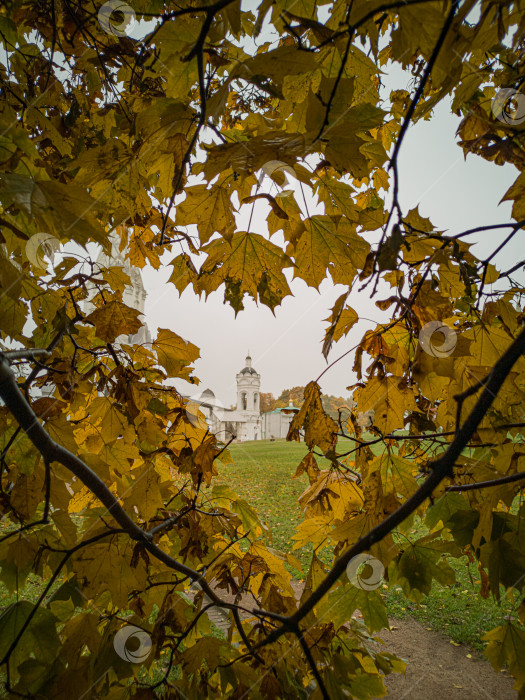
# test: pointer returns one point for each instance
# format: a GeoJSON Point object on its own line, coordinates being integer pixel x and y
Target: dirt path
{"type": "Point", "coordinates": [436, 668]}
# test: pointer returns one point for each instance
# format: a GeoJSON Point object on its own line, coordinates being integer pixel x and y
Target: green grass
{"type": "Point", "coordinates": [456, 610]}
{"type": "Point", "coordinates": [262, 473]}
{"type": "Point", "coordinates": [31, 590]}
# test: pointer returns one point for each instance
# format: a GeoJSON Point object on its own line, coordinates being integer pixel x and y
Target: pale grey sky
{"type": "Point", "coordinates": [286, 348]}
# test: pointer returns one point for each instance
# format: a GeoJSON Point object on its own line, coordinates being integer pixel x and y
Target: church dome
{"type": "Point", "coordinates": [207, 394]}
{"type": "Point", "coordinates": [248, 369]}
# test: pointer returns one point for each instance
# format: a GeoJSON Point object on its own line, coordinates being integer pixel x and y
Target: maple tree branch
{"type": "Point", "coordinates": [440, 469]}
{"type": "Point", "coordinates": [311, 662]}
{"type": "Point", "coordinates": [12, 227]}
{"type": "Point", "coordinates": [509, 479]}
{"type": "Point", "coordinates": [486, 262]}
{"type": "Point", "coordinates": [406, 123]}
{"type": "Point", "coordinates": [420, 89]}
{"type": "Point", "coordinates": [336, 84]}
{"type": "Point", "coordinates": [460, 398]}
{"type": "Point", "coordinates": [512, 269]}
{"type": "Point", "coordinates": [166, 524]}
{"type": "Point", "coordinates": [211, 11]}
{"type": "Point", "coordinates": [52, 345]}
{"type": "Point", "coordinates": [169, 522]}
{"type": "Point", "coordinates": [335, 462]}
{"type": "Point", "coordinates": [225, 549]}
{"type": "Point", "coordinates": [372, 13]}
{"type": "Point", "coordinates": [25, 354]}
{"type": "Point", "coordinates": [50, 450]}
{"type": "Point", "coordinates": [204, 609]}
{"type": "Point", "coordinates": [244, 636]}
{"type": "Point", "coordinates": [422, 436]}
{"type": "Point", "coordinates": [224, 448]}
{"type": "Point", "coordinates": [467, 232]}
{"type": "Point", "coordinates": [198, 53]}
{"type": "Point", "coordinates": [53, 452]}
{"type": "Point", "coordinates": [350, 31]}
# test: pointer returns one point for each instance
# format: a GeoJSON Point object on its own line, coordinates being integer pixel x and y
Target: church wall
{"type": "Point", "coordinates": [134, 295]}
{"type": "Point", "coordinates": [275, 424]}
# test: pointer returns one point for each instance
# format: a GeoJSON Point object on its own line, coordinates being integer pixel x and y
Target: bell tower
{"type": "Point", "coordinates": [249, 400]}
{"type": "Point", "coordinates": [248, 389]}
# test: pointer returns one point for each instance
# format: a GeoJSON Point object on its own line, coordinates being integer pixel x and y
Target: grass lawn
{"type": "Point", "coordinates": [262, 473]}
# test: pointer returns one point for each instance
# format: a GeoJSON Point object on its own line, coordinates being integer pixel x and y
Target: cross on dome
{"type": "Point", "coordinates": [248, 369]}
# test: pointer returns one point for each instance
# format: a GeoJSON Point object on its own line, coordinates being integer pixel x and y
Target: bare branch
{"type": "Point", "coordinates": [509, 479]}
{"type": "Point", "coordinates": [440, 469]}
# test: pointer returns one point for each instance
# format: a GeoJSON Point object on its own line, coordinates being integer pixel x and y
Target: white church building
{"type": "Point", "coordinates": [245, 421]}
{"type": "Point", "coordinates": [134, 294]}
{"type": "Point", "coordinates": [242, 423]}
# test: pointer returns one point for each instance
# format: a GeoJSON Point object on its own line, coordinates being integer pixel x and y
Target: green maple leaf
{"type": "Point", "coordinates": [506, 645]}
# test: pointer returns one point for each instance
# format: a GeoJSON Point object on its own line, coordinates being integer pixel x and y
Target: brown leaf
{"type": "Point", "coordinates": [319, 428]}
{"type": "Point", "coordinates": [46, 407]}
{"type": "Point", "coordinates": [114, 319]}
{"type": "Point", "coordinates": [308, 466]}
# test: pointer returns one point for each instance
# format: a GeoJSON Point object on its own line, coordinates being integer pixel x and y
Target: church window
{"type": "Point", "coordinates": [255, 397]}
{"type": "Point", "coordinates": [244, 401]}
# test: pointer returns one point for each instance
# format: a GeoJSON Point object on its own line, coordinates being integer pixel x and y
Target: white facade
{"type": "Point", "coordinates": [276, 423]}
{"type": "Point", "coordinates": [243, 422]}
{"type": "Point", "coordinates": [134, 294]}
{"type": "Point", "coordinates": [249, 401]}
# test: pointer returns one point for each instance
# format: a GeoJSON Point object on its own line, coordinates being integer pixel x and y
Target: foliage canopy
{"type": "Point", "coordinates": [167, 136]}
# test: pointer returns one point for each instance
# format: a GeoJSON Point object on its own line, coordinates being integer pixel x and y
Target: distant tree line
{"type": "Point", "coordinates": [331, 404]}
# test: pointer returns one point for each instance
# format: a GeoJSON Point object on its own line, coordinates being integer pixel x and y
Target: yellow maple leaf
{"type": "Point", "coordinates": [113, 319]}
{"type": "Point", "coordinates": [174, 353]}
{"type": "Point", "coordinates": [329, 240]}
{"type": "Point", "coordinates": [249, 264]}
{"type": "Point", "coordinates": [211, 209]}
{"type": "Point", "coordinates": [319, 428]}
{"type": "Point", "coordinates": [390, 398]}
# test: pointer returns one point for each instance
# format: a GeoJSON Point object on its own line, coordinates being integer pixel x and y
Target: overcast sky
{"type": "Point", "coordinates": [286, 348]}
{"type": "Point", "coordinates": [454, 193]}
